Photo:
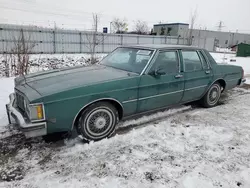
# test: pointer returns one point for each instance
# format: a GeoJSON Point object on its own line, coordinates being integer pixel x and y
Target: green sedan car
{"type": "Point", "coordinates": [130, 80]}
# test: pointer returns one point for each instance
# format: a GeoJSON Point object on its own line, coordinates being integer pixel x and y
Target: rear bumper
{"type": "Point", "coordinates": [29, 129]}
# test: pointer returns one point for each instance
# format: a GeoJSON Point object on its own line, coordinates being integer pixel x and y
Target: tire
{"type": "Point", "coordinates": [212, 97]}
{"type": "Point", "coordinates": [98, 121]}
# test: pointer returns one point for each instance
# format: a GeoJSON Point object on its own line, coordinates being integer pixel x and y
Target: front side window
{"type": "Point", "coordinates": [191, 61]}
{"type": "Point", "coordinates": [167, 62]}
{"type": "Point", "coordinates": [128, 59]}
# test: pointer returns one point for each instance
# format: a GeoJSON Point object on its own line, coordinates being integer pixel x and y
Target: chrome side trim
{"type": "Point", "coordinates": [160, 83]}
{"type": "Point", "coordinates": [148, 63]}
{"type": "Point", "coordinates": [153, 96]}
{"type": "Point", "coordinates": [128, 101]}
{"type": "Point", "coordinates": [192, 88]}
{"type": "Point", "coordinates": [101, 99]}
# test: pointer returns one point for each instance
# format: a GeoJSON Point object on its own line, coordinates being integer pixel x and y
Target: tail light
{"type": "Point", "coordinates": [243, 73]}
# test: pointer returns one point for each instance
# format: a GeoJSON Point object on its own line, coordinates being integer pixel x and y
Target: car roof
{"type": "Point", "coordinates": [164, 46]}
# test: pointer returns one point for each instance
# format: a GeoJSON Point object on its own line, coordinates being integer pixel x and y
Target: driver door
{"type": "Point", "coordinates": [164, 89]}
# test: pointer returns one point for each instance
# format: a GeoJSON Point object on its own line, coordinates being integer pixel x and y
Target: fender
{"type": "Point", "coordinates": [92, 102]}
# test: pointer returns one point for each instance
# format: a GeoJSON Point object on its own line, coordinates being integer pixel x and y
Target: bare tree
{"type": "Point", "coordinates": [5, 62]}
{"type": "Point", "coordinates": [141, 27]}
{"type": "Point", "coordinates": [22, 48]}
{"type": "Point", "coordinates": [192, 22]}
{"type": "Point", "coordinates": [92, 39]}
{"type": "Point", "coordinates": [120, 26]}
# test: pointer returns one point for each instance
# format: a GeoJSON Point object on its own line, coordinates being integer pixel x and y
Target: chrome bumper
{"type": "Point", "coordinates": [29, 129]}
{"type": "Point", "coordinates": [243, 80]}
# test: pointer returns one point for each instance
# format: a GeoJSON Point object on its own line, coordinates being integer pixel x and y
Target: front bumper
{"type": "Point", "coordinates": [29, 129]}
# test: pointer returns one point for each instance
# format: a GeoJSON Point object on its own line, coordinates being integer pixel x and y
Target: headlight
{"type": "Point", "coordinates": [36, 112]}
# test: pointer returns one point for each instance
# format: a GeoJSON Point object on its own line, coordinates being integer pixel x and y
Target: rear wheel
{"type": "Point", "coordinates": [212, 96]}
{"type": "Point", "coordinates": [98, 121]}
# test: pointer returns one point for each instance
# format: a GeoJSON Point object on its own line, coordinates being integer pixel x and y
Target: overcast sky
{"type": "Point", "coordinates": [234, 14]}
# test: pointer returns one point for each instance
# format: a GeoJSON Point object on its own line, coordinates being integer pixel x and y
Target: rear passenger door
{"type": "Point", "coordinates": [197, 73]}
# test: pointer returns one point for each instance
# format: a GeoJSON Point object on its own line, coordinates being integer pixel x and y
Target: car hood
{"type": "Point", "coordinates": [50, 82]}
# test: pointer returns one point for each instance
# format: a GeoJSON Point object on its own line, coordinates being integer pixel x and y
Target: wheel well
{"type": "Point", "coordinates": [116, 104]}
{"type": "Point", "coordinates": [222, 83]}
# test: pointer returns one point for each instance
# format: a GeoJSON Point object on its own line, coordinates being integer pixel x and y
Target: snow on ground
{"type": "Point", "coordinates": [42, 62]}
{"type": "Point", "coordinates": [191, 147]}
{"type": "Point", "coordinates": [7, 87]}
{"type": "Point", "coordinates": [227, 50]}
{"type": "Point", "coordinates": [240, 61]}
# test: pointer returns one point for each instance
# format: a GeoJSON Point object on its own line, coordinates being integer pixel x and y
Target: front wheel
{"type": "Point", "coordinates": [98, 121]}
{"type": "Point", "coordinates": [212, 96]}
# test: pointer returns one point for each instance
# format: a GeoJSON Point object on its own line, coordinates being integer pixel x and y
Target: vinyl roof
{"type": "Point", "coordinates": [164, 46]}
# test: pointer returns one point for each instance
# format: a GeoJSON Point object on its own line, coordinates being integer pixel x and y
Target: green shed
{"type": "Point", "coordinates": [243, 50]}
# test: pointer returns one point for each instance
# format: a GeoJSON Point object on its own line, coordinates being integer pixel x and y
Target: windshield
{"type": "Point", "coordinates": [128, 59]}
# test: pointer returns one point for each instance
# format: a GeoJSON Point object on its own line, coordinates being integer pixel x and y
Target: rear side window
{"type": "Point", "coordinates": [192, 61]}
{"type": "Point", "coordinates": [203, 61]}
{"type": "Point", "coordinates": [210, 58]}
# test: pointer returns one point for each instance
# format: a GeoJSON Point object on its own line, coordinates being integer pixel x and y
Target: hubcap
{"type": "Point", "coordinates": [214, 95]}
{"type": "Point", "coordinates": [99, 122]}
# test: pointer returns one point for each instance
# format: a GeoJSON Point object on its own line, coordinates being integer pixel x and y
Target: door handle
{"type": "Point", "coordinates": [179, 76]}
{"type": "Point", "coordinates": [208, 72]}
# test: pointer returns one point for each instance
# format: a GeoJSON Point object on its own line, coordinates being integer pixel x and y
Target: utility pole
{"type": "Point", "coordinates": [193, 19]}
{"type": "Point", "coordinates": [110, 27]}
{"type": "Point", "coordinates": [220, 26]}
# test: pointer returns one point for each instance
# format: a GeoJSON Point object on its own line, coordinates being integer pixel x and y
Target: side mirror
{"type": "Point", "coordinates": [159, 71]}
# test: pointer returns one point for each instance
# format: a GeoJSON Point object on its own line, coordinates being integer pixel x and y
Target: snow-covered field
{"type": "Point", "coordinates": [185, 147]}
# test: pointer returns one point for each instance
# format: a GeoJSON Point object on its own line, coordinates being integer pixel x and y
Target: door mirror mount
{"type": "Point", "coordinates": [157, 72]}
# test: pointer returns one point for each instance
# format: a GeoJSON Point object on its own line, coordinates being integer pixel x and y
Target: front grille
{"type": "Point", "coordinates": [20, 101]}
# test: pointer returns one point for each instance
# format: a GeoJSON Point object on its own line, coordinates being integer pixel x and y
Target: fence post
{"type": "Point", "coordinates": [205, 41]}
{"type": "Point", "coordinates": [54, 41]}
{"type": "Point", "coordinates": [102, 43]}
{"type": "Point", "coordinates": [121, 39]}
{"type": "Point", "coordinates": [214, 48]}
{"type": "Point", "coordinates": [80, 34]}
{"type": "Point", "coordinates": [138, 40]}
{"type": "Point", "coordinates": [153, 39]}
{"type": "Point", "coordinates": [166, 40]}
